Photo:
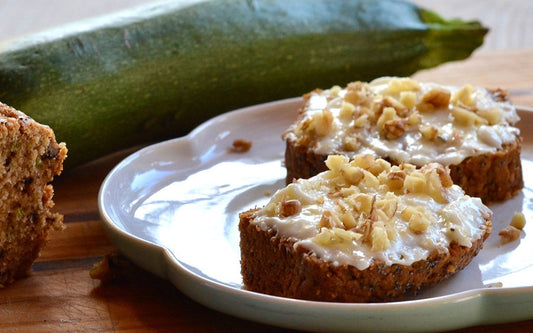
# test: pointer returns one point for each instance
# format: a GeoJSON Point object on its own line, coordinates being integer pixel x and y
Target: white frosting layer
{"type": "Point", "coordinates": [452, 142]}
{"type": "Point", "coordinates": [324, 201]}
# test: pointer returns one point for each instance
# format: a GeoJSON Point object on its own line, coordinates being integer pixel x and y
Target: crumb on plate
{"type": "Point", "coordinates": [241, 146]}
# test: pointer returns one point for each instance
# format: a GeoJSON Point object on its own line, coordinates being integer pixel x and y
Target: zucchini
{"type": "Point", "coordinates": [156, 71]}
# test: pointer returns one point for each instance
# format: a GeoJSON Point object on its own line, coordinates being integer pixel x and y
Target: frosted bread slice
{"type": "Point", "coordinates": [362, 231]}
{"type": "Point", "coordinates": [468, 129]}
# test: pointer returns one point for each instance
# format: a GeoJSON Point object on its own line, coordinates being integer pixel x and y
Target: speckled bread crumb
{"type": "Point", "coordinates": [30, 158]}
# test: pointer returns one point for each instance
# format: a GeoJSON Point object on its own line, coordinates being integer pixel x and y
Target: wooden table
{"type": "Point", "coordinates": [60, 296]}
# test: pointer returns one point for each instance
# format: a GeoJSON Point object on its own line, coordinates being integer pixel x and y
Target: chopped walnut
{"type": "Point", "coordinates": [401, 110]}
{"type": "Point", "coordinates": [350, 143]}
{"type": "Point", "coordinates": [388, 114]}
{"type": "Point", "coordinates": [418, 223]}
{"type": "Point", "coordinates": [369, 180]}
{"type": "Point", "coordinates": [509, 234]}
{"type": "Point", "coordinates": [112, 268]}
{"type": "Point", "coordinates": [429, 132]}
{"type": "Point", "coordinates": [363, 161]}
{"type": "Point", "coordinates": [518, 220]}
{"type": "Point", "coordinates": [397, 85]}
{"type": "Point", "coordinates": [499, 95]}
{"type": "Point", "coordinates": [330, 220]}
{"type": "Point", "coordinates": [513, 231]}
{"type": "Point", "coordinates": [407, 212]}
{"type": "Point", "coordinates": [438, 97]}
{"type": "Point", "coordinates": [414, 118]}
{"type": "Point", "coordinates": [336, 162]}
{"type": "Point", "coordinates": [364, 202]}
{"type": "Point", "coordinates": [415, 183]}
{"type": "Point", "coordinates": [334, 91]}
{"type": "Point", "coordinates": [431, 179]}
{"type": "Point", "coordinates": [408, 99]}
{"type": "Point", "coordinates": [466, 117]}
{"type": "Point", "coordinates": [289, 208]}
{"type": "Point", "coordinates": [378, 166]}
{"type": "Point", "coordinates": [394, 129]}
{"type": "Point", "coordinates": [328, 237]}
{"type": "Point", "coordinates": [347, 110]}
{"type": "Point", "coordinates": [352, 96]}
{"type": "Point", "coordinates": [348, 220]}
{"type": "Point", "coordinates": [358, 93]}
{"type": "Point", "coordinates": [353, 175]}
{"type": "Point", "coordinates": [379, 237]}
{"type": "Point", "coordinates": [395, 179]}
{"type": "Point", "coordinates": [241, 146]}
{"type": "Point", "coordinates": [361, 121]}
{"type": "Point", "coordinates": [388, 206]}
{"type": "Point", "coordinates": [425, 107]}
{"type": "Point", "coordinates": [492, 115]}
{"type": "Point", "coordinates": [463, 95]}
{"type": "Point", "coordinates": [442, 172]}
{"type": "Point", "coordinates": [322, 122]}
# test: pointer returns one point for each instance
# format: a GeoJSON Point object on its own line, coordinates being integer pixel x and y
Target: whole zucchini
{"type": "Point", "coordinates": [157, 71]}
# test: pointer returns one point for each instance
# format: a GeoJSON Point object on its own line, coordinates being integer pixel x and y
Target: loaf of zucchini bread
{"type": "Point", "coordinates": [30, 158]}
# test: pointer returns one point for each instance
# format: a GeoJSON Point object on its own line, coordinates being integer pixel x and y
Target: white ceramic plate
{"type": "Point", "coordinates": [173, 207]}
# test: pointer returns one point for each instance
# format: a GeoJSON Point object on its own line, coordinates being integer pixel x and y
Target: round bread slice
{"type": "Point", "coordinates": [362, 231]}
{"type": "Point", "coordinates": [470, 130]}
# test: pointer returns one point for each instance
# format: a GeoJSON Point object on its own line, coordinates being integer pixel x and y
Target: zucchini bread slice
{"type": "Point", "coordinates": [468, 129]}
{"type": "Point", "coordinates": [362, 231]}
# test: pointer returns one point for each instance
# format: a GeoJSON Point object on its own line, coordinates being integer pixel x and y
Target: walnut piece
{"type": "Point", "coordinates": [466, 117]}
{"type": "Point", "coordinates": [518, 220]}
{"type": "Point", "coordinates": [323, 122]}
{"type": "Point", "coordinates": [241, 146]}
{"type": "Point", "coordinates": [429, 132]}
{"type": "Point", "coordinates": [394, 129]}
{"type": "Point", "coordinates": [379, 237]}
{"type": "Point", "coordinates": [463, 95]}
{"type": "Point", "coordinates": [513, 231]}
{"type": "Point", "coordinates": [289, 208]}
{"type": "Point", "coordinates": [509, 234]}
{"type": "Point", "coordinates": [438, 97]}
{"type": "Point", "coordinates": [418, 223]}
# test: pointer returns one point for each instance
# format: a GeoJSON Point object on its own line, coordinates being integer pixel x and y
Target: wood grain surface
{"type": "Point", "coordinates": [60, 295]}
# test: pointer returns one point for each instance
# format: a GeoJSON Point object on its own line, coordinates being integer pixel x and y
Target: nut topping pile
{"type": "Point", "coordinates": [369, 203]}
{"type": "Point", "coordinates": [405, 120]}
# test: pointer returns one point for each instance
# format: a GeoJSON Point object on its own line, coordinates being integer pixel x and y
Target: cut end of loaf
{"type": "Point", "coordinates": [30, 158]}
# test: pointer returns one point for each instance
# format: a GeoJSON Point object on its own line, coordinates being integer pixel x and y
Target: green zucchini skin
{"type": "Point", "coordinates": [155, 72]}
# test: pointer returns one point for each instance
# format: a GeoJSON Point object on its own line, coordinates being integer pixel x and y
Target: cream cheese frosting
{"type": "Point", "coordinates": [406, 120]}
{"type": "Point", "coordinates": [367, 210]}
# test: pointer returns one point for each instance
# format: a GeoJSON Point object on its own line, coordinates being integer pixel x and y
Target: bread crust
{"type": "Point", "coordinates": [492, 177]}
{"type": "Point", "coordinates": [273, 265]}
